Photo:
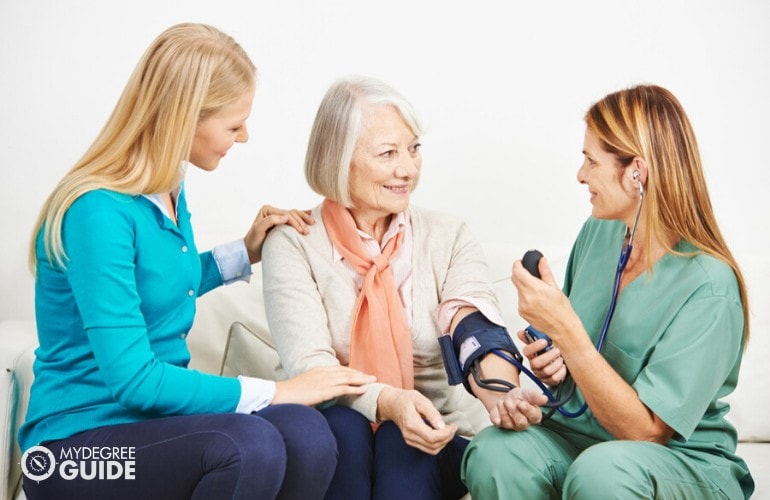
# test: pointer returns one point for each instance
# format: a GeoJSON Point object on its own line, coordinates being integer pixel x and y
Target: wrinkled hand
{"type": "Point", "coordinates": [321, 384]}
{"type": "Point", "coordinates": [518, 409]}
{"type": "Point", "coordinates": [549, 367]}
{"type": "Point", "coordinates": [267, 218]}
{"type": "Point", "coordinates": [410, 410]}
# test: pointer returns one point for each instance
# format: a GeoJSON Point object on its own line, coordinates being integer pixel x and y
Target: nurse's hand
{"type": "Point", "coordinates": [267, 218]}
{"type": "Point", "coordinates": [549, 366]}
{"type": "Point", "coordinates": [518, 409]}
{"type": "Point", "coordinates": [410, 411]}
{"type": "Point", "coordinates": [542, 303]}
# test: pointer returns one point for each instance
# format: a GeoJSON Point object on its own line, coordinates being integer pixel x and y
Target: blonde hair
{"type": "Point", "coordinates": [647, 121]}
{"type": "Point", "coordinates": [190, 71]}
{"type": "Point", "coordinates": [336, 130]}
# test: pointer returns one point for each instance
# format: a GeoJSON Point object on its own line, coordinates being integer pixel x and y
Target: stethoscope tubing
{"type": "Point", "coordinates": [553, 402]}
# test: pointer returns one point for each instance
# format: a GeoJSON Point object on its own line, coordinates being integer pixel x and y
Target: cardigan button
{"type": "Point", "coordinates": [190, 292]}
{"type": "Point", "coordinates": [184, 248]}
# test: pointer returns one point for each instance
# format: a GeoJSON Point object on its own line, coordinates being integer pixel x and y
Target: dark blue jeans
{"type": "Point", "coordinates": [381, 466]}
{"type": "Point", "coordinates": [282, 451]}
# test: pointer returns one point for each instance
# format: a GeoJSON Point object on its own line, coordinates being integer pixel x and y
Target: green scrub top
{"type": "Point", "coordinates": [676, 337]}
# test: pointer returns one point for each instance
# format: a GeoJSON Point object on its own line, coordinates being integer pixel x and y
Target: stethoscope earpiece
{"type": "Point", "coordinates": [641, 187]}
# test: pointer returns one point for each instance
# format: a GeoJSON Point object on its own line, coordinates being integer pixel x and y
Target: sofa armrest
{"type": "Point", "coordinates": [19, 341]}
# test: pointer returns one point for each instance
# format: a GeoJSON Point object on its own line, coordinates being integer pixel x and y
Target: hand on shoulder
{"type": "Point", "coordinates": [267, 218]}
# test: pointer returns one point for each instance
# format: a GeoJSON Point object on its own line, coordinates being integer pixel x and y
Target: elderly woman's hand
{"type": "Point", "coordinates": [267, 218]}
{"type": "Point", "coordinates": [410, 411]}
{"type": "Point", "coordinates": [518, 409]}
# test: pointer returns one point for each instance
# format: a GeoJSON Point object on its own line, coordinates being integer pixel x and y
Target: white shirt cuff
{"type": "Point", "coordinates": [256, 394]}
{"type": "Point", "coordinates": [233, 261]}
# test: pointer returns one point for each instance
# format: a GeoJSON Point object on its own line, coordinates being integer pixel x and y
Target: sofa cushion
{"type": "Point", "coordinates": [219, 309]}
{"type": "Point", "coordinates": [249, 352]}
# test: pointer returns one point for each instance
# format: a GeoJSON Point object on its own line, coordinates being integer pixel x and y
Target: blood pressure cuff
{"type": "Point", "coordinates": [473, 337]}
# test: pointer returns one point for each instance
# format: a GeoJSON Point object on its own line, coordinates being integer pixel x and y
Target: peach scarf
{"type": "Point", "coordinates": [380, 340]}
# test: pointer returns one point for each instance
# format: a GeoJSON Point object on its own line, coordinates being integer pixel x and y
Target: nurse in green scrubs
{"type": "Point", "coordinates": [655, 425]}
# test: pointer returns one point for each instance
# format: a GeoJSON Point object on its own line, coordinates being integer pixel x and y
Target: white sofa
{"type": "Point", "coordinates": [230, 336]}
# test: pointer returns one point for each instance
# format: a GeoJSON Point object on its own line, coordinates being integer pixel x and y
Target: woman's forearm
{"type": "Point", "coordinates": [614, 402]}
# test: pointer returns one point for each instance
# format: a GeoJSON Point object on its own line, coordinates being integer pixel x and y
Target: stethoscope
{"type": "Point", "coordinates": [555, 401]}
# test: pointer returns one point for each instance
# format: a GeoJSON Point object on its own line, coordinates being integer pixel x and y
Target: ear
{"type": "Point", "coordinates": [638, 164]}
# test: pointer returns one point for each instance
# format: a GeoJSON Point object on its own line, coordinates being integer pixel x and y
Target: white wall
{"type": "Point", "coordinates": [502, 87]}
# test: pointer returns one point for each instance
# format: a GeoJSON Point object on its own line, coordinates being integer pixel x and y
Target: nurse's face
{"type": "Point", "coordinates": [385, 165]}
{"type": "Point", "coordinates": [604, 175]}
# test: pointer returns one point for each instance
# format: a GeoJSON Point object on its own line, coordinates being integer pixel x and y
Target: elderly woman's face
{"type": "Point", "coordinates": [386, 164]}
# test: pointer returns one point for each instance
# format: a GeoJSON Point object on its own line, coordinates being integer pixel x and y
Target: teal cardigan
{"type": "Point", "coordinates": [112, 325]}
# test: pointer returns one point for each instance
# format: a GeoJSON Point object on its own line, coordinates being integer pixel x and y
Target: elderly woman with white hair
{"type": "Point", "coordinates": [372, 287]}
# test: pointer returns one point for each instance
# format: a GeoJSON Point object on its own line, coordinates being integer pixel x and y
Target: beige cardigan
{"type": "Point", "coordinates": [309, 300]}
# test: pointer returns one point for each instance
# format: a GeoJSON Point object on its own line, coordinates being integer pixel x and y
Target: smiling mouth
{"type": "Point", "coordinates": [398, 189]}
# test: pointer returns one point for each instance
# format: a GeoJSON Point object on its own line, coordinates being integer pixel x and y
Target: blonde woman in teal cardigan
{"type": "Point", "coordinates": [117, 275]}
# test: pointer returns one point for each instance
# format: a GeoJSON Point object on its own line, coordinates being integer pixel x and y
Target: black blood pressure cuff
{"type": "Point", "coordinates": [473, 337]}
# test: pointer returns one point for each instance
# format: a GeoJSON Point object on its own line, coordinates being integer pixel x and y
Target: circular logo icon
{"type": "Point", "coordinates": [38, 463]}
